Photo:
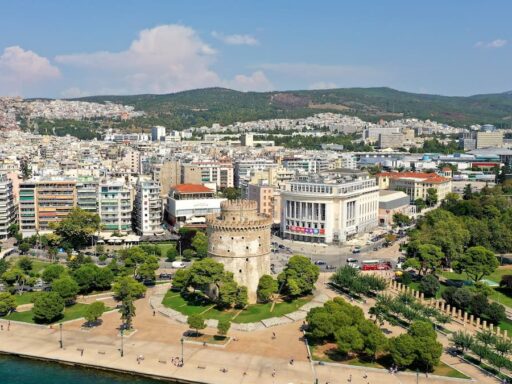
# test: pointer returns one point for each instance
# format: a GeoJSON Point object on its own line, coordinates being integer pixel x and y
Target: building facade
{"type": "Point", "coordinates": [7, 206]}
{"type": "Point", "coordinates": [115, 205]}
{"type": "Point", "coordinates": [268, 199]}
{"type": "Point", "coordinates": [240, 239]}
{"type": "Point", "coordinates": [415, 184]}
{"type": "Point", "coordinates": [43, 202]}
{"type": "Point", "coordinates": [147, 213]}
{"type": "Point", "coordinates": [329, 212]}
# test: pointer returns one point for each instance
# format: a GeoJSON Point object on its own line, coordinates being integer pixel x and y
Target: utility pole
{"type": "Point", "coordinates": [122, 343]}
{"type": "Point", "coordinates": [182, 361]}
{"type": "Point", "coordinates": [60, 341]}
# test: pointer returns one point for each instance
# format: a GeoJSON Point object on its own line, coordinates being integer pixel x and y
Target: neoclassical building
{"type": "Point", "coordinates": [329, 211]}
{"type": "Point", "coordinates": [239, 237]}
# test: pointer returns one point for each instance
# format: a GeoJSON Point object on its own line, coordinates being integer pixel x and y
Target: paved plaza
{"type": "Point", "coordinates": [254, 358]}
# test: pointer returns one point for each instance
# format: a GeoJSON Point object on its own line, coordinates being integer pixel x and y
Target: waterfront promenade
{"type": "Point", "coordinates": [252, 359]}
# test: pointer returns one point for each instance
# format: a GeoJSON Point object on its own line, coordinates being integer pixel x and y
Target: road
{"type": "Point", "coordinates": [334, 255]}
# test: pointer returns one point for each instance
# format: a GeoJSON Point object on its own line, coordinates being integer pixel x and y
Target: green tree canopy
{"type": "Point", "coordinates": [78, 227]}
{"type": "Point", "coordinates": [477, 262]}
{"type": "Point", "coordinates": [52, 272]}
{"type": "Point", "coordinates": [7, 303]}
{"type": "Point", "coordinates": [267, 287]}
{"type": "Point", "coordinates": [299, 276]}
{"type": "Point", "coordinates": [196, 321]}
{"type": "Point", "coordinates": [94, 312]}
{"type": "Point", "coordinates": [67, 288]}
{"type": "Point", "coordinates": [48, 307]}
{"type": "Point", "coordinates": [127, 286]}
{"type": "Point", "coordinates": [200, 244]}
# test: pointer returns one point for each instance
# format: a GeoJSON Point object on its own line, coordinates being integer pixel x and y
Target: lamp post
{"type": "Point", "coordinates": [122, 342]}
{"type": "Point", "coordinates": [60, 341]}
{"type": "Point", "coordinates": [417, 375]}
{"type": "Point", "coordinates": [182, 361]}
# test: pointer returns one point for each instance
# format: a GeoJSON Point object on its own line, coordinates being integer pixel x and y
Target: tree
{"type": "Point", "coordinates": [429, 285]}
{"type": "Point", "coordinates": [403, 350]}
{"type": "Point", "coordinates": [127, 286]}
{"type": "Point", "coordinates": [401, 220]}
{"type": "Point", "coordinates": [171, 254]}
{"type": "Point", "coordinates": [52, 272]}
{"type": "Point", "coordinates": [503, 346]}
{"type": "Point", "coordinates": [78, 227]}
{"type": "Point", "coordinates": [420, 204]}
{"type": "Point", "coordinates": [430, 257]}
{"type": "Point", "coordinates": [373, 337]}
{"type": "Point", "coordinates": [181, 279]}
{"type": "Point", "coordinates": [67, 288]}
{"type": "Point", "coordinates": [94, 312]}
{"type": "Point", "coordinates": [200, 244]}
{"type": "Point", "coordinates": [188, 254]}
{"type": "Point", "coordinates": [25, 264]}
{"type": "Point", "coordinates": [127, 310]}
{"type": "Point", "coordinates": [468, 192]}
{"type": "Point", "coordinates": [196, 321]}
{"type": "Point", "coordinates": [15, 276]}
{"type": "Point", "coordinates": [4, 266]}
{"type": "Point", "coordinates": [477, 262]}
{"type": "Point", "coordinates": [299, 276]}
{"type": "Point", "coordinates": [462, 340]}
{"type": "Point", "coordinates": [349, 339]}
{"type": "Point", "coordinates": [7, 303]}
{"type": "Point", "coordinates": [242, 297]}
{"type": "Point", "coordinates": [223, 327]}
{"type": "Point", "coordinates": [267, 287]}
{"type": "Point", "coordinates": [48, 307]}
{"type": "Point", "coordinates": [84, 277]}
{"type": "Point", "coordinates": [431, 198]}
{"type": "Point", "coordinates": [232, 193]}
{"type": "Point", "coordinates": [495, 313]}
{"type": "Point", "coordinates": [24, 248]}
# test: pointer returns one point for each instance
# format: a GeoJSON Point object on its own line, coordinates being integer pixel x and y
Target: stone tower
{"type": "Point", "coordinates": [239, 238]}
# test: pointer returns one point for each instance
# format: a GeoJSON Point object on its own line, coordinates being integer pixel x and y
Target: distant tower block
{"type": "Point", "coordinates": [239, 238]}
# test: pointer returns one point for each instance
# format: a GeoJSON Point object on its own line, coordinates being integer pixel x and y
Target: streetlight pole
{"type": "Point", "coordinates": [122, 343]}
{"type": "Point", "coordinates": [182, 361]}
{"type": "Point", "coordinates": [60, 341]}
{"type": "Point", "coordinates": [417, 375]}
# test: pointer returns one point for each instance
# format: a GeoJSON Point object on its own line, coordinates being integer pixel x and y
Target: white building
{"type": "Point", "coordinates": [7, 207]}
{"type": "Point", "coordinates": [329, 211]}
{"type": "Point", "coordinates": [157, 133]}
{"type": "Point", "coordinates": [115, 206]}
{"type": "Point", "coordinates": [189, 204]}
{"type": "Point", "coordinates": [148, 209]}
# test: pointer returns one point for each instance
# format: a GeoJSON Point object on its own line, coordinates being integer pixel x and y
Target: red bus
{"type": "Point", "coordinates": [375, 265]}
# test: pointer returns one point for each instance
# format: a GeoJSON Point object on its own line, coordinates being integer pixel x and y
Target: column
{"type": "Point", "coordinates": [477, 322]}
{"type": "Point", "coordinates": [484, 324]}
{"type": "Point", "coordinates": [472, 319]}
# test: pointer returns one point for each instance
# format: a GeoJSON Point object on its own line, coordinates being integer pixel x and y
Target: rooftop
{"type": "Point", "coordinates": [430, 177]}
{"type": "Point", "coordinates": [191, 188]}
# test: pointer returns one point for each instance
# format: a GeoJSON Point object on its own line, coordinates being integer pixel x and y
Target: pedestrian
{"type": "Point", "coordinates": [81, 352]}
{"type": "Point", "coordinates": [9, 325]}
{"type": "Point", "coordinates": [273, 335]}
{"type": "Point", "coordinates": [365, 376]}
{"type": "Point", "coordinates": [1, 327]}
{"type": "Point", "coordinates": [274, 373]}
{"type": "Point", "coordinates": [154, 313]}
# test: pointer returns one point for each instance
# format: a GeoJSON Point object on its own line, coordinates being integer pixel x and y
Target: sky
{"type": "Point", "coordinates": [62, 48]}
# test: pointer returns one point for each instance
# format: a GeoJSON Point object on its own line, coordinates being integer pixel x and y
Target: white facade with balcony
{"type": "Point", "coordinates": [7, 207]}
{"type": "Point", "coordinates": [148, 209]}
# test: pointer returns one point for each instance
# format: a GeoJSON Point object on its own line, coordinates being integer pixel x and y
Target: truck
{"type": "Point", "coordinates": [376, 265]}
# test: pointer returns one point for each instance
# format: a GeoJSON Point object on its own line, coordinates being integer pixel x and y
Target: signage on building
{"type": "Point", "coordinates": [305, 230]}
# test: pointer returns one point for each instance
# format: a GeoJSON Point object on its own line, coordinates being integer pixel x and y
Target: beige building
{"type": "Point", "coordinates": [219, 173]}
{"type": "Point", "coordinates": [268, 199]}
{"type": "Point", "coordinates": [239, 238]}
{"type": "Point", "coordinates": [43, 202]}
{"type": "Point", "coordinates": [489, 139]}
{"type": "Point", "coordinates": [168, 174]}
{"type": "Point", "coordinates": [415, 184]}
{"type": "Point", "coordinates": [391, 202]}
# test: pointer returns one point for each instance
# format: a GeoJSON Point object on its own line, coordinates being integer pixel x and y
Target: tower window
{"type": "Point", "coordinates": [240, 270]}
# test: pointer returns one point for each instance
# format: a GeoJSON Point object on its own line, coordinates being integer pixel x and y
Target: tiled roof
{"type": "Point", "coordinates": [191, 188]}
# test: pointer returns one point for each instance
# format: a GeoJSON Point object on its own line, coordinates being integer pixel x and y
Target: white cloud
{"type": "Point", "coordinates": [498, 43]}
{"type": "Point", "coordinates": [257, 81]}
{"type": "Point", "coordinates": [21, 69]}
{"type": "Point", "coordinates": [323, 85]}
{"type": "Point", "coordinates": [167, 58]}
{"type": "Point", "coordinates": [235, 39]}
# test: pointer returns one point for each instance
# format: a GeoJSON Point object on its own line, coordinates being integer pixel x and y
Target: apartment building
{"type": "Point", "coordinates": [7, 206]}
{"type": "Point", "coordinates": [268, 199]}
{"type": "Point", "coordinates": [157, 133]}
{"type": "Point", "coordinates": [329, 211]}
{"type": "Point", "coordinates": [415, 184]}
{"type": "Point", "coordinates": [189, 204]}
{"type": "Point", "coordinates": [244, 168]}
{"type": "Point", "coordinates": [43, 202]}
{"type": "Point", "coordinates": [147, 212]}
{"type": "Point", "coordinates": [167, 174]}
{"type": "Point", "coordinates": [220, 173]}
{"type": "Point", "coordinates": [115, 205]}
{"type": "Point", "coordinates": [87, 194]}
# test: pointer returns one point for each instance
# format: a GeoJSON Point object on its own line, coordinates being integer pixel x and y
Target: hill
{"type": "Point", "coordinates": [219, 105]}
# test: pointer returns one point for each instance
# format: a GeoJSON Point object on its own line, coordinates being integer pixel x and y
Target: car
{"type": "Point", "coordinates": [165, 276]}
{"type": "Point", "coordinates": [320, 262]}
{"type": "Point", "coordinates": [356, 250]}
{"type": "Point", "coordinates": [281, 246]}
{"type": "Point", "coordinates": [328, 266]}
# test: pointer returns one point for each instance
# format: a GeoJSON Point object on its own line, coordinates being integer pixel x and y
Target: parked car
{"type": "Point", "coordinates": [165, 276]}
{"type": "Point", "coordinates": [178, 264]}
{"type": "Point", "coordinates": [320, 262]}
{"type": "Point", "coordinates": [356, 250]}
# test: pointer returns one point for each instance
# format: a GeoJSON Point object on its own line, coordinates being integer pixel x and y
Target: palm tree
{"type": "Point", "coordinates": [502, 346]}
{"type": "Point", "coordinates": [462, 340]}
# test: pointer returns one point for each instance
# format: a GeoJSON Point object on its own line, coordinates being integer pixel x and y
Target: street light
{"type": "Point", "coordinates": [122, 343]}
{"type": "Point", "coordinates": [417, 375]}
{"type": "Point", "coordinates": [182, 361]}
{"type": "Point", "coordinates": [60, 341]}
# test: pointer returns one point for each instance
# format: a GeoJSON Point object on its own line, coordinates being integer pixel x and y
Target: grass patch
{"type": "Point", "coordinates": [70, 313]}
{"type": "Point", "coordinates": [25, 297]}
{"type": "Point", "coordinates": [253, 313]}
{"type": "Point", "coordinates": [208, 339]}
{"type": "Point", "coordinates": [506, 325]}
{"type": "Point", "coordinates": [443, 369]}
{"type": "Point", "coordinates": [164, 247]}
{"type": "Point", "coordinates": [37, 264]}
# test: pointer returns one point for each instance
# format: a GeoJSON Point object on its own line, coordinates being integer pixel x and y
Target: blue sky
{"type": "Point", "coordinates": [74, 48]}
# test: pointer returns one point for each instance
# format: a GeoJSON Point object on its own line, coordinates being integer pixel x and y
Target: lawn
{"type": "Point", "coordinates": [253, 313]}
{"type": "Point", "coordinates": [506, 325]}
{"type": "Point", "coordinates": [70, 313]}
{"type": "Point", "coordinates": [499, 295]}
{"type": "Point", "coordinates": [37, 264]}
{"type": "Point", "coordinates": [164, 247]}
{"type": "Point", "coordinates": [25, 297]}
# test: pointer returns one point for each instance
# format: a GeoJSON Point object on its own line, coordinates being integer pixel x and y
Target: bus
{"type": "Point", "coordinates": [375, 265]}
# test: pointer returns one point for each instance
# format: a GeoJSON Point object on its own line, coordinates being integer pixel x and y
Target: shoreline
{"type": "Point", "coordinates": [119, 371]}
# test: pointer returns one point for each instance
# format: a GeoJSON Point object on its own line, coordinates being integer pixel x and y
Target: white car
{"type": "Point", "coordinates": [178, 264]}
